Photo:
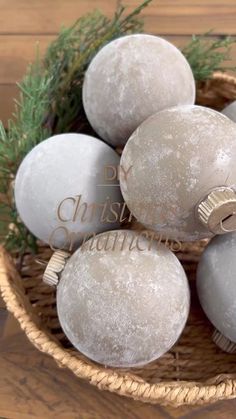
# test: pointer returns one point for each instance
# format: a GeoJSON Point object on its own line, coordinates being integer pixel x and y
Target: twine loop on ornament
{"type": "Point", "coordinates": [41, 262]}
{"type": "Point", "coordinates": [223, 228]}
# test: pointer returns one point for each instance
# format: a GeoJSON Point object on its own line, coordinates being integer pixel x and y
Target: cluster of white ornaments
{"type": "Point", "coordinates": [127, 308]}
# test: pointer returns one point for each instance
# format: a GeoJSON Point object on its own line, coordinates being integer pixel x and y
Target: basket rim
{"type": "Point", "coordinates": [172, 393]}
{"type": "Point", "coordinates": [218, 75]}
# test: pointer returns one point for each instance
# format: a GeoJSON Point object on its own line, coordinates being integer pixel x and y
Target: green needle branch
{"type": "Point", "coordinates": [51, 98]}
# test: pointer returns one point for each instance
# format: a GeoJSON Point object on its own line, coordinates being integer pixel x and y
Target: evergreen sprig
{"type": "Point", "coordinates": [51, 98]}
{"type": "Point", "coordinates": [25, 130]}
{"type": "Point", "coordinates": [68, 57]}
{"type": "Point", "coordinates": [51, 102]}
{"type": "Point", "coordinates": [206, 56]}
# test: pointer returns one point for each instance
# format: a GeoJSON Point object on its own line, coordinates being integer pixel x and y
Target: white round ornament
{"type": "Point", "coordinates": [59, 183]}
{"type": "Point", "coordinates": [230, 111]}
{"type": "Point", "coordinates": [217, 289]}
{"type": "Point", "coordinates": [182, 173]}
{"type": "Point", "coordinates": [130, 79]}
{"type": "Point", "coordinates": [121, 304]}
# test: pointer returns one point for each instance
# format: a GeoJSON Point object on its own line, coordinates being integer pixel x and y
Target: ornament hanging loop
{"type": "Point", "coordinates": [223, 224]}
{"type": "Point", "coordinates": [41, 262]}
{"type": "Point", "coordinates": [217, 211]}
{"type": "Point", "coordinates": [55, 267]}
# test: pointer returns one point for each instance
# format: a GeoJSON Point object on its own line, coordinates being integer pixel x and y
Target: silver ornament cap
{"type": "Point", "coordinates": [217, 211]}
{"type": "Point", "coordinates": [223, 343]}
{"type": "Point", "coordinates": [55, 267]}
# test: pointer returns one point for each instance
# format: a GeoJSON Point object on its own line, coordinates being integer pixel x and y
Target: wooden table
{"type": "Point", "coordinates": [31, 385]}
{"type": "Point", "coordinates": [25, 22]}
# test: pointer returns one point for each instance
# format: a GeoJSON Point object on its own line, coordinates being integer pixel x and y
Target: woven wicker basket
{"type": "Point", "coordinates": [195, 371]}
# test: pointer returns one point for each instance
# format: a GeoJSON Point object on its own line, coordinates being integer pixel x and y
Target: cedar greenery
{"type": "Point", "coordinates": [206, 56]}
{"type": "Point", "coordinates": [51, 102]}
{"type": "Point", "coordinates": [51, 98]}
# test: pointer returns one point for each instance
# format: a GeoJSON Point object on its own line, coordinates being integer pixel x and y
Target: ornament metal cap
{"type": "Point", "coordinates": [217, 211]}
{"type": "Point", "coordinates": [223, 343]}
{"type": "Point", "coordinates": [54, 267]}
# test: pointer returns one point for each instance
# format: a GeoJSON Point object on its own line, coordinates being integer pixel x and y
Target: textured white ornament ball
{"type": "Point", "coordinates": [216, 284]}
{"type": "Point", "coordinates": [130, 79]}
{"type": "Point", "coordinates": [230, 111]}
{"type": "Point", "coordinates": [122, 307]}
{"type": "Point", "coordinates": [175, 158]}
{"type": "Point", "coordinates": [60, 170]}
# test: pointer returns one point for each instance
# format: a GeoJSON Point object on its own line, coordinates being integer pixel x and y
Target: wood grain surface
{"type": "Point", "coordinates": [24, 23]}
{"type": "Point", "coordinates": [31, 384]}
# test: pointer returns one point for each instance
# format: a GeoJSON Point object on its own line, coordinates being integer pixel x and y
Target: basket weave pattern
{"type": "Point", "coordinates": [195, 371]}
